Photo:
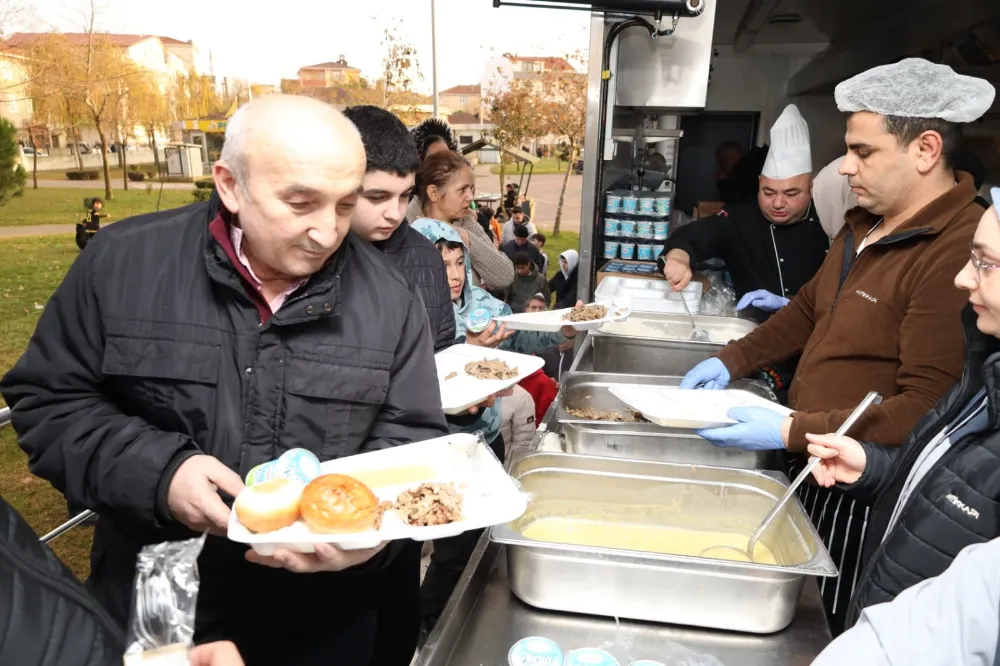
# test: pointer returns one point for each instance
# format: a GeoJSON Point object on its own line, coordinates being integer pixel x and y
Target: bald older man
{"type": "Point", "coordinates": [185, 347]}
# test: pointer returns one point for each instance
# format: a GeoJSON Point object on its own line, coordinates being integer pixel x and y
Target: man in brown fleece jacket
{"type": "Point", "coordinates": [882, 313]}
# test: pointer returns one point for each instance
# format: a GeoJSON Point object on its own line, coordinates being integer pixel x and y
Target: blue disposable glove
{"type": "Point", "coordinates": [710, 374]}
{"type": "Point", "coordinates": [762, 299]}
{"type": "Point", "coordinates": [759, 429]}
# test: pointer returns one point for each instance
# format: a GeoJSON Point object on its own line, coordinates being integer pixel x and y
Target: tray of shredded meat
{"type": "Point", "coordinates": [468, 375]}
{"type": "Point", "coordinates": [433, 489]}
{"type": "Point", "coordinates": [581, 318]}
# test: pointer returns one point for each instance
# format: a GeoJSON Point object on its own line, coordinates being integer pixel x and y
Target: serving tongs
{"type": "Point", "coordinates": [872, 398]}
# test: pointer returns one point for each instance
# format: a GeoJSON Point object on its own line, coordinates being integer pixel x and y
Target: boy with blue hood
{"type": "Point", "coordinates": [451, 555]}
{"type": "Point", "coordinates": [466, 299]}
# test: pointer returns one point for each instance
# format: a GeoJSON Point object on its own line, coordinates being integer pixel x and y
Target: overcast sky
{"type": "Point", "coordinates": [267, 40]}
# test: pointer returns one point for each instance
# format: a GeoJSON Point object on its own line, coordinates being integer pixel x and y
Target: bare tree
{"type": "Point", "coordinates": [400, 68]}
{"type": "Point", "coordinates": [515, 115]}
{"type": "Point", "coordinates": [90, 74]}
{"type": "Point", "coordinates": [564, 114]}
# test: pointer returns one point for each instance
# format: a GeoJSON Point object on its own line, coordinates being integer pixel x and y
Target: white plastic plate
{"type": "Point", "coordinates": [692, 409]}
{"type": "Point", "coordinates": [551, 321]}
{"type": "Point", "coordinates": [463, 390]}
{"type": "Point", "coordinates": [491, 497]}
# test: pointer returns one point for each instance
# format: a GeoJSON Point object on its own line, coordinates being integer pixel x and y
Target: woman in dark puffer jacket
{"type": "Point", "coordinates": [940, 491]}
{"type": "Point", "coordinates": [46, 617]}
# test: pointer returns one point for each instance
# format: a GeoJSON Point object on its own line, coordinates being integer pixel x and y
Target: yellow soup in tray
{"type": "Point", "coordinates": [646, 538]}
{"type": "Point", "coordinates": [394, 476]}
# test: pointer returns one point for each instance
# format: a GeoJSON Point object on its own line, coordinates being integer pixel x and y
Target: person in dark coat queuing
{"type": "Point", "coordinates": [181, 350]}
{"type": "Point", "coordinates": [564, 283]}
{"type": "Point", "coordinates": [380, 214]}
{"type": "Point", "coordinates": [520, 245]}
{"type": "Point", "coordinates": [939, 491]}
{"type": "Point", "coordinates": [52, 619]}
{"type": "Point", "coordinates": [529, 281]}
{"type": "Point", "coordinates": [380, 218]}
{"type": "Point", "coordinates": [877, 316]}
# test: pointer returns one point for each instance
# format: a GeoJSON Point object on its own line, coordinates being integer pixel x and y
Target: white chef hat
{"type": "Point", "coordinates": [789, 154]}
{"type": "Point", "coordinates": [916, 88]}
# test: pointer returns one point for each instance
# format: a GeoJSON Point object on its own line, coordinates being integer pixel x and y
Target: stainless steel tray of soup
{"type": "Point", "coordinates": [660, 344]}
{"type": "Point", "coordinates": [628, 539]}
{"type": "Point", "coordinates": [586, 406]}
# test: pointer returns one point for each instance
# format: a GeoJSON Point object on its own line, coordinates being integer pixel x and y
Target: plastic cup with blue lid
{"type": "Point", "coordinates": [590, 657]}
{"type": "Point", "coordinates": [535, 651]}
{"type": "Point", "coordinates": [478, 320]}
{"type": "Point", "coordinates": [630, 205]}
{"type": "Point", "coordinates": [614, 203]}
{"type": "Point", "coordinates": [295, 464]}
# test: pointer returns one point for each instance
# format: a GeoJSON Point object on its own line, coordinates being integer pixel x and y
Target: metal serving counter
{"type": "Point", "coordinates": [484, 619]}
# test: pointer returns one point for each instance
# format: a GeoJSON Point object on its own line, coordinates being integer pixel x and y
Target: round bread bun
{"type": "Point", "coordinates": [269, 506]}
{"type": "Point", "coordinates": [334, 503]}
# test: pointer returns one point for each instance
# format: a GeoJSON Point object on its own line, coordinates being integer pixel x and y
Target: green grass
{"type": "Point", "coordinates": [30, 270]}
{"type": "Point", "coordinates": [546, 166]}
{"type": "Point", "coordinates": [65, 205]}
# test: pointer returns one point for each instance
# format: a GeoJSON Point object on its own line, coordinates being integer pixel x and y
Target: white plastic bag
{"type": "Point", "coordinates": [164, 601]}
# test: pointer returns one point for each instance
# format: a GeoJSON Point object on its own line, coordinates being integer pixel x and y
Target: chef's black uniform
{"type": "Point", "coordinates": [758, 255]}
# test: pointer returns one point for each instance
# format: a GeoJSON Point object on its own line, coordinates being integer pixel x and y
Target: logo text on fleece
{"type": "Point", "coordinates": [865, 295]}
{"type": "Point", "coordinates": [968, 510]}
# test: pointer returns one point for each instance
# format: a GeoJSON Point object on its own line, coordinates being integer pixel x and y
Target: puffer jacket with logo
{"type": "Point", "coordinates": [46, 617]}
{"type": "Point", "coordinates": [154, 349]}
{"type": "Point", "coordinates": [956, 504]}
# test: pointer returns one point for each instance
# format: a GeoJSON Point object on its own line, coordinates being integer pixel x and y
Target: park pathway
{"type": "Point", "coordinates": [38, 230]}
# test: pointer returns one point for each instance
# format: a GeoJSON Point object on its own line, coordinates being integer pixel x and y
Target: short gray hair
{"type": "Point", "coordinates": [234, 154]}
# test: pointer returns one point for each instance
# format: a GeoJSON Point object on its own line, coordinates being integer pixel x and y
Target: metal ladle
{"type": "Point", "coordinates": [697, 334]}
{"type": "Point", "coordinates": [872, 398]}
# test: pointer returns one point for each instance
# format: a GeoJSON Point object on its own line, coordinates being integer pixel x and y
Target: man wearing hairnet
{"type": "Point", "coordinates": [882, 313]}
{"type": "Point", "coordinates": [772, 246]}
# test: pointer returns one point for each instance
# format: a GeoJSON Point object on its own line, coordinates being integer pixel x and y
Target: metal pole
{"type": "Point", "coordinates": [67, 526]}
{"type": "Point", "coordinates": [4, 416]}
{"type": "Point", "coordinates": [434, 58]}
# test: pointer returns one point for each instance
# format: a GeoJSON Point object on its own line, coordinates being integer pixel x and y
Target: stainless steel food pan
{"type": "Point", "coordinates": [634, 347]}
{"type": "Point", "coordinates": [694, 591]}
{"type": "Point", "coordinates": [642, 441]}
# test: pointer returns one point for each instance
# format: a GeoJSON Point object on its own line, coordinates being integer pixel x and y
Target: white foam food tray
{"type": "Point", "coordinates": [552, 321]}
{"type": "Point", "coordinates": [650, 295]}
{"type": "Point", "coordinates": [463, 390]}
{"type": "Point", "coordinates": [691, 409]}
{"type": "Point", "coordinates": [490, 496]}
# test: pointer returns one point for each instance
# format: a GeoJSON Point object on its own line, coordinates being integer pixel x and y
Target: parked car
{"type": "Point", "coordinates": [29, 151]}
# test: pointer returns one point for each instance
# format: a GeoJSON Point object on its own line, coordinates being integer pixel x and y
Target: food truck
{"type": "Point", "coordinates": [667, 81]}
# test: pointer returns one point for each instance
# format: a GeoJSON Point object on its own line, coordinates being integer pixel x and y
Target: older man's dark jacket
{"type": "Point", "coordinates": [154, 349]}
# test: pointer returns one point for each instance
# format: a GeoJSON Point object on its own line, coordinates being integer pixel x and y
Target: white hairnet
{"type": "Point", "coordinates": [833, 197]}
{"type": "Point", "coordinates": [916, 88]}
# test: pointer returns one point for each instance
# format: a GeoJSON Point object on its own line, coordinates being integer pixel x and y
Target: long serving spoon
{"type": "Point", "coordinates": [872, 398]}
